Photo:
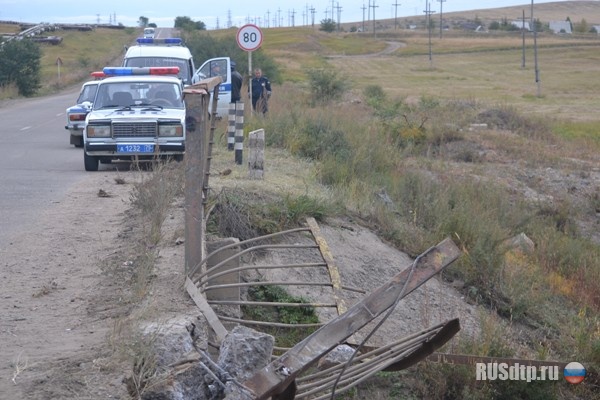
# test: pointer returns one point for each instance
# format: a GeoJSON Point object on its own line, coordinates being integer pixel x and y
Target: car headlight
{"type": "Point", "coordinates": [170, 130]}
{"type": "Point", "coordinates": [98, 130]}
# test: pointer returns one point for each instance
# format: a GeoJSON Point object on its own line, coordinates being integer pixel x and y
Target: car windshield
{"type": "Point", "coordinates": [184, 71]}
{"type": "Point", "coordinates": [136, 94]}
{"type": "Point", "coordinates": [87, 93]}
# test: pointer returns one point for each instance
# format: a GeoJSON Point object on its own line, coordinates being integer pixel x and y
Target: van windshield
{"type": "Point", "coordinates": [184, 71]}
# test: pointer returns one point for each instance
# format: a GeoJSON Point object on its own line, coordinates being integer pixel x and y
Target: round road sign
{"type": "Point", "coordinates": [249, 37]}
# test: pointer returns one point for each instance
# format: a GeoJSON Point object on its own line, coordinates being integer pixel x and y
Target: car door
{"type": "Point", "coordinates": [220, 66]}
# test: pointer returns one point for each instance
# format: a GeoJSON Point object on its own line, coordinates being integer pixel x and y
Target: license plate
{"type": "Point", "coordinates": [135, 148]}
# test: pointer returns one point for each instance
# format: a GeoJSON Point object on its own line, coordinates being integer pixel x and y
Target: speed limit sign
{"type": "Point", "coordinates": [249, 37]}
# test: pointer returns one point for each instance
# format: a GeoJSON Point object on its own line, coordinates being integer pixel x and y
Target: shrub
{"type": "Point", "coordinates": [20, 64]}
{"type": "Point", "coordinates": [326, 85]}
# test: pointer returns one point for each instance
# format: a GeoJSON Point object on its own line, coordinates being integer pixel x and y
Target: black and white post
{"type": "Point", "coordinates": [239, 133]}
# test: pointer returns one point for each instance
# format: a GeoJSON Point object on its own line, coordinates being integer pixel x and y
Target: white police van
{"type": "Point", "coordinates": [137, 114]}
{"type": "Point", "coordinates": [168, 52]}
{"type": "Point", "coordinates": [172, 52]}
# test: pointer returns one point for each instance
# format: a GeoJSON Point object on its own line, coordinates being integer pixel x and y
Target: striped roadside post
{"type": "Point", "coordinates": [239, 133]}
{"type": "Point", "coordinates": [231, 126]}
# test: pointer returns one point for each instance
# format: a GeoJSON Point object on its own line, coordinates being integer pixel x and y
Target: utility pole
{"type": "Point", "coordinates": [441, 2]}
{"type": "Point", "coordinates": [363, 22]}
{"type": "Point", "coordinates": [396, 15]}
{"type": "Point", "coordinates": [339, 16]}
{"type": "Point", "coordinates": [535, 57]}
{"type": "Point", "coordinates": [374, 7]}
{"type": "Point", "coordinates": [428, 12]}
{"type": "Point", "coordinates": [313, 11]}
{"type": "Point", "coordinates": [523, 36]}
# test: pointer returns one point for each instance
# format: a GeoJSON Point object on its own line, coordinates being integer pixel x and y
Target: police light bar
{"type": "Point", "coordinates": [127, 71]}
{"type": "Point", "coordinates": [159, 41]}
{"type": "Point", "coordinates": [98, 74]}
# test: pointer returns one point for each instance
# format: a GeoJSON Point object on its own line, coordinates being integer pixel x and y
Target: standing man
{"type": "Point", "coordinates": [261, 92]}
{"type": "Point", "coordinates": [236, 84]}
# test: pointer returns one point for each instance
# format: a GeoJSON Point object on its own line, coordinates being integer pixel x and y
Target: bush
{"type": "Point", "coordinates": [326, 85]}
{"type": "Point", "coordinates": [20, 64]}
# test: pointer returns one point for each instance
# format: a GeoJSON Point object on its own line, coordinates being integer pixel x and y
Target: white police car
{"type": "Point", "coordinates": [149, 33]}
{"type": "Point", "coordinates": [137, 114]}
{"type": "Point", "coordinates": [76, 114]}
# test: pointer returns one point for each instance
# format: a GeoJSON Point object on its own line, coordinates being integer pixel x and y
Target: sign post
{"type": "Point", "coordinates": [58, 64]}
{"type": "Point", "coordinates": [249, 38]}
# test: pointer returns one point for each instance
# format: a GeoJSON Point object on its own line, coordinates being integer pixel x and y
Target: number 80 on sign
{"type": "Point", "coordinates": [249, 37]}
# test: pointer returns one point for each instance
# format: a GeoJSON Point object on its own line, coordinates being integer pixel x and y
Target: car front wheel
{"type": "Point", "coordinates": [90, 162]}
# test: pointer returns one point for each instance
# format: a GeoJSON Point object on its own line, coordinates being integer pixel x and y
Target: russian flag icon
{"type": "Point", "coordinates": [574, 373]}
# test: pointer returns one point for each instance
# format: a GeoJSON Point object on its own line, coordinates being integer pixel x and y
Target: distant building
{"type": "Point", "coordinates": [521, 25]}
{"type": "Point", "coordinates": [560, 27]}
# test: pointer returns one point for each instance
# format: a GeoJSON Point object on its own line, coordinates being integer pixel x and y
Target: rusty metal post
{"type": "Point", "coordinates": [196, 118]}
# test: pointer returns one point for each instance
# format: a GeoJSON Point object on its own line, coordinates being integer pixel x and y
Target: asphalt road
{"type": "Point", "coordinates": [37, 163]}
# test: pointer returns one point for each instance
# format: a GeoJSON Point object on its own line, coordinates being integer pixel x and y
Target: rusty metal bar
{"type": "Point", "coordinates": [242, 243]}
{"type": "Point", "coordinates": [387, 358]}
{"type": "Point", "coordinates": [211, 137]}
{"type": "Point", "coordinates": [263, 323]}
{"type": "Point", "coordinates": [248, 250]}
{"type": "Point", "coordinates": [334, 273]}
{"type": "Point", "coordinates": [269, 304]}
{"type": "Point", "coordinates": [207, 311]}
{"type": "Point", "coordinates": [281, 283]}
{"type": "Point", "coordinates": [195, 120]}
{"type": "Point", "coordinates": [232, 285]}
{"type": "Point", "coordinates": [229, 271]}
{"type": "Point", "coordinates": [377, 351]}
{"type": "Point", "coordinates": [279, 374]}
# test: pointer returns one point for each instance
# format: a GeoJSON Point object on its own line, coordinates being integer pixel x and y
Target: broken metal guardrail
{"type": "Point", "coordinates": [392, 357]}
{"type": "Point", "coordinates": [198, 280]}
{"type": "Point", "coordinates": [278, 378]}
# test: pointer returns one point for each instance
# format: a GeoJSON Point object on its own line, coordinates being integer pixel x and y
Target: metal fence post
{"type": "Point", "coordinates": [239, 133]}
{"type": "Point", "coordinates": [231, 126]}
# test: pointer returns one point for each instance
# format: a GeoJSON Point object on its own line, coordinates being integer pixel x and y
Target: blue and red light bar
{"type": "Point", "coordinates": [159, 41]}
{"type": "Point", "coordinates": [127, 71]}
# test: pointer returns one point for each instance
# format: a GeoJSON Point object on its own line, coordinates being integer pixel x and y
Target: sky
{"type": "Point", "coordinates": [226, 13]}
